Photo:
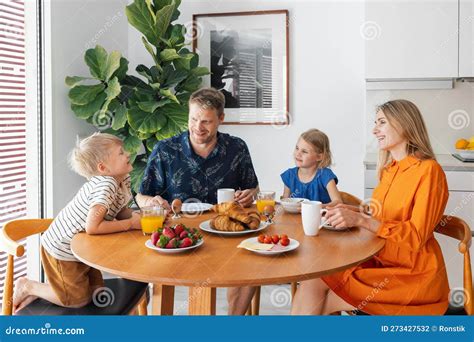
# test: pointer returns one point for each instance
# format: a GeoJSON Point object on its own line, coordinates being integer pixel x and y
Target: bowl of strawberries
{"type": "Point", "coordinates": [175, 239]}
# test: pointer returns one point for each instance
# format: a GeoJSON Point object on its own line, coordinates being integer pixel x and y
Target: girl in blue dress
{"type": "Point", "coordinates": [312, 178]}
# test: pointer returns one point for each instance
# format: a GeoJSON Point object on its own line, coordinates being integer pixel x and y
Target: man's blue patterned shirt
{"type": "Point", "coordinates": [175, 171]}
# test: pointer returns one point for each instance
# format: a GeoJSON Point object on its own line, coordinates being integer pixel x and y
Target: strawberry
{"type": "Point", "coordinates": [173, 243]}
{"type": "Point", "coordinates": [154, 238]}
{"type": "Point", "coordinates": [186, 242]}
{"type": "Point", "coordinates": [183, 235]}
{"type": "Point", "coordinates": [168, 232]}
{"type": "Point", "coordinates": [178, 229]}
{"type": "Point", "coordinates": [163, 241]}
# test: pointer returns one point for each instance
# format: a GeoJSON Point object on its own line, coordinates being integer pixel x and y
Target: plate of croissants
{"type": "Point", "coordinates": [233, 219]}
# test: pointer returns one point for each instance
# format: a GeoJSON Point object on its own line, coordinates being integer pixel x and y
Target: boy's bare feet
{"type": "Point", "coordinates": [24, 303]}
{"type": "Point", "coordinates": [20, 292]}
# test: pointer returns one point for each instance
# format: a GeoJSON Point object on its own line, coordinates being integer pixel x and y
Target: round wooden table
{"type": "Point", "coordinates": [219, 263]}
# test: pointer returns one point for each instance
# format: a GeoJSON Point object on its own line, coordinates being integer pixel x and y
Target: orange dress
{"type": "Point", "coordinates": [408, 276]}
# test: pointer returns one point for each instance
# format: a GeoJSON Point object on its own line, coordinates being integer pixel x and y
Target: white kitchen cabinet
{"type": "Point", "coordinates": [466, 38]}
{"type": "Point", "coordinates": [411, 39]}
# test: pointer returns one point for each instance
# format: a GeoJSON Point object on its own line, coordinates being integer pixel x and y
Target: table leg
{"type": "Point", "coordinates": [202, 300]}
{"type": "Point", "coordinates": [163, 300]}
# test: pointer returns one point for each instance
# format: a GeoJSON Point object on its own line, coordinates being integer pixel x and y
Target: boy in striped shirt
{"type": "Point", "coordinates": [100, 207]}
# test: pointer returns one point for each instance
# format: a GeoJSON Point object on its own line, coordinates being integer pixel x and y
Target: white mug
{"type": "Point", "coordinates": [311, 213]}
{"type": "Point", "coordinates": [225, 195]}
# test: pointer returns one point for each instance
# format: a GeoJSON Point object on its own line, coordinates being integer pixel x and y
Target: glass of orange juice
{"type": "Point", "coordinates": [266, 199]}
{"type": "Point", "coordinates": [152, 219]}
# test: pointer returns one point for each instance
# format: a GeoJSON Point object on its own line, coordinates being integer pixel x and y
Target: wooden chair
{"type": "Point", "coordinates": [458, 229]}
{"type": "Point", "coordinates": [254, 307]}
{"type": "Point", "coordinates": [127, 294]}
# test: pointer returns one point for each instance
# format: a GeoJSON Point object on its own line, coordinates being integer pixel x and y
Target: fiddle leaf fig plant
{"type": "Point", "coordinates": [152, 104]}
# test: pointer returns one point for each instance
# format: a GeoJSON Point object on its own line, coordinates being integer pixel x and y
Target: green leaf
{"type": "Point", "coordinates": [155, 86]}
{"type": "Point", "coordinates": [86, 111]}
{"type": "Point", "coordinates": [122, 69]}
{"type": "Point", "coordinates": [177, 122]}
{"type": "Point", "coordinates": [145, 122]}
{"type": "Point", "coordinates": [176, 12]}
{"type": "Point", "coordinates": [168, 55]}
{"type": "Point", "coordinates": [83, 94]}
{"type": "Point", "coordinates": [137, 174]}
{"type": "Point", "coordinates": [113, 63]}
{"type": "Point", "coordinates": [144, 71]}
{"type": "Point", "coordinates": [200, 71]}
{"type": "Point", "coordinates": [163, 19]}
{"type": "Point", "coordinates": [120, 117]}
{"type": "Point", "coordinates": [150, 143]}
{"type": "Point", "coordinates": [150, 50]}
{"type": "Point", "coordinates": [96, 59]}
{"type": "Point", "coordinates": [72, 81]}
{"type": "Point", "coordinates": [171, 77]}
{"type": "Point", "coordinates": [132, 144]}
{"type": "Point", "coordinates": [159, 4]}
{"type": "Point", "coordinates": [184, 62]}
{"type": "Point", "coordinates": [140, 17]}
{"type": "Point", "coordinates": [192, 84]}
{"type": "Point", "coordinates": [176, 35]}
{"type": "Point", "coordinates": [168, 94]}
{"type": "Point", "coordinates": [151, 106]}
{"type": "Point", "coordinates": [113, 89]}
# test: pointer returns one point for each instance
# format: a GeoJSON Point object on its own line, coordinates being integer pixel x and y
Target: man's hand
{"type": "Point", "coordinates": [158, 200]}
{"type": "Point", "coordinates": [245, 197]}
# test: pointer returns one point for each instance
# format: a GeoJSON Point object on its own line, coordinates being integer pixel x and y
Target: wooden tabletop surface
{"type": "Point", "coordinates": [219, 263]}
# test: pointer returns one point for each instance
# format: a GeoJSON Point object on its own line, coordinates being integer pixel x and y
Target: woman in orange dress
{"type": "Point", "coordinates": [408, 276]}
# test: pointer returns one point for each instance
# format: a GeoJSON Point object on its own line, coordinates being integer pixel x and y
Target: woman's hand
{"type": "Point", "coordinates": [342, 217]}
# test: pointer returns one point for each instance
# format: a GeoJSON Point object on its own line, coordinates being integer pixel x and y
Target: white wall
{"type": "Point", "coordinates": [327, 88]}
{"type": "Point", "coordinates": [448, 113]}
{"type": "Point", "coordinates": [72, 27]}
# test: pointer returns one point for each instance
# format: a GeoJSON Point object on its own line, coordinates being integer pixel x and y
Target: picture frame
{"type": "Point", "coordinates": [247, 54]}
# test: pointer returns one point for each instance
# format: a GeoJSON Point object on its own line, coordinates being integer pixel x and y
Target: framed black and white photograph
{"type": "Point", "coordinates": [247, 55]}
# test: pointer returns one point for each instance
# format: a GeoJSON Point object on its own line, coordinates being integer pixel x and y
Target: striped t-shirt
{"type": "Point", "coordinates": [103, 190]}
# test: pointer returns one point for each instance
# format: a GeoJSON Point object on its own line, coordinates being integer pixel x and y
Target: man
{"type": "Point", "coordinates": [195, 163]}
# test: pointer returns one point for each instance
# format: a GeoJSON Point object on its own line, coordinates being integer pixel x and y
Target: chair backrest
{"type": "Point", "coordinates": [458, 229]}
{"type": "Point", "coordinates": [11, 233]}
{"type": "Point", "coordinates": [347, 198]}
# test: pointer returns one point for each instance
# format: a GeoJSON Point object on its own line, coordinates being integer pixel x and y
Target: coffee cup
{"type": "Point", "coordinates": [311, 213]}
{"type": "Point", "coordinates": [225, 195]}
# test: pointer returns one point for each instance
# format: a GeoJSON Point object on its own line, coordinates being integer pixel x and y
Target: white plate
{"type": "Point", "coordinates": [195, 207]}
{"type": "Point", "coordinates": [280, 249]}
{"type": "Point", "coordinates": [172, 250]}
{"type": "Point", "coordinates": [207, 228]}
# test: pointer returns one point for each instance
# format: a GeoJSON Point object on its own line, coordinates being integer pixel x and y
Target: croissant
{"type": "Point", "coordinates": [252, 220]}
{"type": "Point", "coordinates": [225, 207]}
{"type": "Point", "coordinates": [225, 223]}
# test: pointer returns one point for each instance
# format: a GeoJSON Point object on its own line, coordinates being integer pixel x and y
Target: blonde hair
{"type": "Point", "coordinates": [407, 120]}
{"type": "Point", "coordinates": [320, 143]}
{"type": "Point", "coordinates": [209, 98]}
{"type": "Point", "coordinates": [91, 151]}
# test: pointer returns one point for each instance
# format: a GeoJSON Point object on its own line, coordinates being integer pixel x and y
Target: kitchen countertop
{"type": "Point", "coordinates": [447, 162]}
